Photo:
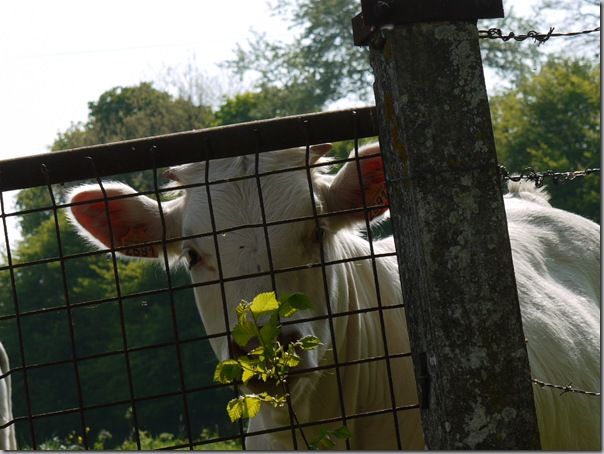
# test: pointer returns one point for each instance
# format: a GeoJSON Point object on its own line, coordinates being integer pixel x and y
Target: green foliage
{"type": "Point", "coordinates": [71, 442]}
{"type": "Point", "coordinates": [166, 440]}
{"type": "Point", "coordinates": [320, 65]}
{"type": "Point", "coordinates": [102, 442]}
{"type": "Point", "coordinates": [266, 102]}
{"type": "Point", "coordinates": [552, 122]}
{"type": "Point", "coordinates": [130, 112]}
{"type": "Point", "coordinates": [270, 361]}
{"type": "Point", "coordinates": [327, 438]}
{"type": "Point", "coordinates": [119, 113]}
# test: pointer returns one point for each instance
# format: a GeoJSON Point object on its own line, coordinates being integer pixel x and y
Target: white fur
{"type": "Point", "coordinates": [8, 440]}
{"type": "Point", "coordinates": [557, 263]}
{"type": "Point", "coordinates": [556, 259]}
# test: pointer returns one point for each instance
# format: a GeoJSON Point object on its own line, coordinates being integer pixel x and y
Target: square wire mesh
{"type": "Point", "coordinates": [80, 350]}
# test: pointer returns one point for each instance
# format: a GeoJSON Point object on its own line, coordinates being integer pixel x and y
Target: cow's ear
{"type": "Point", "coordinates": [124, 219]}
{"type": "Point", "coordinates": [347, 192]}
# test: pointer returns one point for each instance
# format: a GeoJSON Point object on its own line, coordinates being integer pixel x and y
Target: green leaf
{"type": "Point", "coordinates": [246, 406]}
{"type": "Point", "coordinates": [325, 439]}
{"type": "Point", "coordinates": [276, 400]}
{"type": "Point", "coordinates": [291, 359]}
{"type": "Point", "coordinates": [242, 310]}
{"type": "Point", "coordinates": [308, 342]}
{"type": "Point", "coordinates": [263, 304]}
{"type": "Point", "coordinates": [227, 371]}
{"type": "Point", "coordinates": [286, 310]}
{"type": "Point", "coordinates": [247, 375]}
{"type": "Point", "coordinates": [342, 433]}
{"type": "Point", "coordinates": [243, 332]}
{"type": "Point", "coordinates": [290, 304]}
{"type": "Point", "coordinates": [269, 332]}
{"type": "Point", "coordinates": [258, 351]}
{"type": "Point", "coordinates": [251, 367]}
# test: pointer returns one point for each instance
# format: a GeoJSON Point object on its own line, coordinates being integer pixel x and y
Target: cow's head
{"type": "Point", "coordinates": [222, 239]}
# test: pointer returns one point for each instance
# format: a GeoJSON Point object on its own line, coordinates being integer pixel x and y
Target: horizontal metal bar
{"type": "Point", "coordinates": [185, 147]}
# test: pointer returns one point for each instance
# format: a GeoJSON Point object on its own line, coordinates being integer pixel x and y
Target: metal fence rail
{"type": "Point", "coordinates": [181, 148]}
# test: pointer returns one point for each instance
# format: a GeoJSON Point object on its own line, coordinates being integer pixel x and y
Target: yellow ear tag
{"type": "Point", "coordinates": [135, 236]}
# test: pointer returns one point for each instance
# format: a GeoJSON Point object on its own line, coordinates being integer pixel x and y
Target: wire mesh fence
{"type": "Point", "coordinates": [105, 351]}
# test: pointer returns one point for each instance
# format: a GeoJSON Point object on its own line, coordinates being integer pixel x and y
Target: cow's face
{"type": "Point", "coordinates": [250, 229]}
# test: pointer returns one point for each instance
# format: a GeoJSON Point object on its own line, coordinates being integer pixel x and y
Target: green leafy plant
{"type": "Point", "coordinates": [268, 359]}
{"type": "Point", "coordinates": [165, 440]}
{"type": "Point", "coordinates": [71, 442]}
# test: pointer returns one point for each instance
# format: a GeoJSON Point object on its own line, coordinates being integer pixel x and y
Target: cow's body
{"type": "Point", "coordinates": [557, 264]}
{"type": "Point", "coordinates": [559, 291]}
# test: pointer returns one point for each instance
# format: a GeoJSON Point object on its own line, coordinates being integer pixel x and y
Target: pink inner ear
{"type": "Point", "coordinates": [372, 170]}
{"type": "Point", "coordinates": [93, 217]}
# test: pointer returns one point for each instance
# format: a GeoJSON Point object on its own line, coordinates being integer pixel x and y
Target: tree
{"type": "Point", "coordinates": [552, 121]}
{"type": "Point", "coordinates": [269, 102]}
{"type": "Point", "coordinates": [120, 113]}
{"type": "Point", "coordinates": [131, 112]}
{"type": "Point", "coordinates": [320, 65]}
{"type": "Point", "coordinates": [575, 15]}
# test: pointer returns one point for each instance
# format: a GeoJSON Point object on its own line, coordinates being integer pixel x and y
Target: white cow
{"type": "Point", "coordinates": [556, 256]}
{"type": "Point", "coordinates": [8, 440]}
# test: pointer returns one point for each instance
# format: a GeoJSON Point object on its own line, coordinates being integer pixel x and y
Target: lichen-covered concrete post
{"type": "Point", "coordinates": [451, 237]}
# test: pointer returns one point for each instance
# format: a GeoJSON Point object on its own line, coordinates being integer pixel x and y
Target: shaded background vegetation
{"type": "Point", "coordinates": [545, 115]}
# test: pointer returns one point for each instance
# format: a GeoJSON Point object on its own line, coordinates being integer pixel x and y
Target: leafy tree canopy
{"type": "Point", "coordinates": [552, 121]}
{"type": "Point", "coordinates": [120, 113]}
{"type": "Point", "coordinates": [130, 112]}
{"type": "Point", "coordinates": [321, 63]}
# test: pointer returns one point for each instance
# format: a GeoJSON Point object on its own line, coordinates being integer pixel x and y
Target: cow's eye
{"type": "Point", "coordinates": [192, 257]}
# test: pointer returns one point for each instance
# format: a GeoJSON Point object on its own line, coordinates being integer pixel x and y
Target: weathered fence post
{"type": "Point", "coordinates": [450, 225]}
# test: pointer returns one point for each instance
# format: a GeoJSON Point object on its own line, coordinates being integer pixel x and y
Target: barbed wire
{"type": "Point", "coordinates": [496, 33]}
{"type": "Point", "coordinates": [529, 174]}
{"type": "Point", "coordinates": [565, 389]}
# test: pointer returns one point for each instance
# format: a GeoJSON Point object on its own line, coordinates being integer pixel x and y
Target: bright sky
{"type": "Point", "coordinates": [58, 55]}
